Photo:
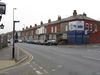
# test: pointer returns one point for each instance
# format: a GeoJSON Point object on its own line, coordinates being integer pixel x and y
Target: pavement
{"type": "Point", "coordinates": [6, 60]}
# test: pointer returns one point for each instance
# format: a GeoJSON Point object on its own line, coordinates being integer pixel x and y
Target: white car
{"type": "Point", "coordinates": [51, 42]}
{"type": "Point", "coordinates": [20, 41]}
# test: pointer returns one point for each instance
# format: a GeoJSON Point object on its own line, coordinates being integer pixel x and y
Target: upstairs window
{"type": "Point", "coordinates": [55, 29]}
{"type": "Point", "coordinates": [91, 28]}
{"type": "Point", "coordinates": [87, 26]}
{"type": "Point", "coordinates": [51, 29]}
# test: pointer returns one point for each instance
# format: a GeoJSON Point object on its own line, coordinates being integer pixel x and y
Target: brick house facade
{"type": "Point", "coordinates": [59, 29]}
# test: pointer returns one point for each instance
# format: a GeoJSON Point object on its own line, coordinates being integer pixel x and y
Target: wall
{"type": "Point", "coordinates": [94, 38]}
{"type": "Point", "coordinates": [64, 27]}
{"type": "Point", "coordinates": [41, 30]}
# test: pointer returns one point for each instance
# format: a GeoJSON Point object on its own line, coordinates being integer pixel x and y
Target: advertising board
{"type": "Point", "coordinates": [76, 25]}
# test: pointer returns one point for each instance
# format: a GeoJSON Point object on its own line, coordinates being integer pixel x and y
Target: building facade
{"type": "Point", "coordinates": [76, 29]}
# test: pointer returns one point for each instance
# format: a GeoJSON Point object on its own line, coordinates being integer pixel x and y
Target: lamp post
{"type": "Point", "coordinates": [1, 26]}
{"type": "Point", "coordinates": [2, 12]}
{"type": "Point", "coordinates": [13, 48]}
{"type": "Point", "coordinates": [2, 8]}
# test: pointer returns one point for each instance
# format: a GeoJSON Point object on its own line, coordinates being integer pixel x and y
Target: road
{"type": "Point", "coordinates": [54, 60]}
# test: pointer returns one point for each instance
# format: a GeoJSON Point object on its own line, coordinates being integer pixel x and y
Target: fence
{"type": "Point", "coordinates": [3, 41]}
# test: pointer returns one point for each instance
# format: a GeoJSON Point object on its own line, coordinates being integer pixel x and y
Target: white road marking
{"type": "Point", "coordinates": [45, 71]}
{"type": "Point", "coordinates": [59, 66]}
{"type": "Point", "coordinates": [34, 68]}
{"type": "Point", "coordinates": [38, 72]}
{"type": "Point", "coordinates": [40, 67]}
{"type": "Point", "coordinates": [28, 63]}
{"type": "Point", "coordinates": [53, 70]}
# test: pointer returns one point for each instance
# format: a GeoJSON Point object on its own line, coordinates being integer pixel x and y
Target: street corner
{"type": "Point", "coordinates": [14, 63]}
{"type": "Point", "coordinates": [4, 64]}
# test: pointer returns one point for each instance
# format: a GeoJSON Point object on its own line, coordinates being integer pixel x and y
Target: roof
{"type": "Point", "coordinates": [80, 17]}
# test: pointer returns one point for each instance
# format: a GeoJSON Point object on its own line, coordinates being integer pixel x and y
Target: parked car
{"type": "Point", "coordinates": [8, 41]}
{"type": "Point", "coordinates": [20, 41]}
{"type": "Point", "coordinates": [36, 41]}
{"type": "Point", "coordinates": [51, 42]}
{"type": "Point", "coordinates": [29, 41]}
{"type": "Point", "coordinates": [41, 42]}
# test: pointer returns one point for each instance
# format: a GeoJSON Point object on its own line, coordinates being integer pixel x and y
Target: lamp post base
{"type": "Point", "coordinates": [13, 53]}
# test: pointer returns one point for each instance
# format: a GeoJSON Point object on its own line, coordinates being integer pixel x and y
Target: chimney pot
{"type": "Point", "coordinates": [74, 13]}
{"type": "Point", "coordinates": [35, 25]}
{"type": "Point", "coordinates": [30, 26]}
{"type": "Point", "coordinates": [26, 27]}
{"type": "Point", "coordinates": [41, 23]}
{"type": "Point", "coordinates": [59, 17]}
{"type": "Point", "coordinates": [84, 14]}
{"type": "Point", "coordinates": [49, 20]}
{"type": "Point", "coordinates": [23, 29]}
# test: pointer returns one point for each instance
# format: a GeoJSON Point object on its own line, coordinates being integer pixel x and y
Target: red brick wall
{"type": "Point", "coordinates": [91, 25]}
{"type": "Point", "coordinates": [58, 28]}
{"type": "Point", "coordinates": [49, 27]}
{"type": "Point", "coordinates": [94, 37]}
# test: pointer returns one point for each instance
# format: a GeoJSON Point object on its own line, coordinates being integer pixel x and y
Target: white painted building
{"type": "Point", "coordinates": [41, 30]}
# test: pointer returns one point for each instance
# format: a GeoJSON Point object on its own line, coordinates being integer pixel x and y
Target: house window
{"type": "Point", "coordinates": [95, 28]}
{"type": "Point", "coordinates": [90, 27]}
{"type": "Point", "coordinates": [87, 26]}
{"type": "Point", "coordinates": [55, 29]}
{"type": "Point", "coordinates": [52, 29]}
{"type": "Point", "coordinates": [66, 27]}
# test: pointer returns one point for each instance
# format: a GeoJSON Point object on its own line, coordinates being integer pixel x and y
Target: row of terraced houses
{"type": "Point", "coordinates": [76, 29]}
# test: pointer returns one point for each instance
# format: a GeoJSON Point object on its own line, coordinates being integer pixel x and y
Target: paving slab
{"type": "Point", "coordinates": [6, 63]}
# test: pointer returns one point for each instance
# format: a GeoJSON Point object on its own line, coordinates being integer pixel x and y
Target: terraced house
{"type": "Point", "coordinates": [53, 29]}
{"type": "Point", "coordinates": [76, 29]}
{"type": "Point", "coordinates": [27, 34]}
{"type": "Point", "coordinates": [41, 33]}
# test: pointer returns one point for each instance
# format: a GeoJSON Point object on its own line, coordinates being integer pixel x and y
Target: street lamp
{"type": "Point", "coordinates": [13, 48]}
{"type": "Point", "coordinates": [1, 26]}
{"type": "Point", "coordinates": [2, 9]}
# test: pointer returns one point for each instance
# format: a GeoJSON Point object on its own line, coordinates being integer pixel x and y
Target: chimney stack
{"type": "Point", "coordinates": [30, 26]}
{"type": "Point", "coordinates": [41, 23]}
{"type": "Point", "coordinates": [49, 21]}
{"type": "Point", "coordinates": [35, 25]}
{"type": "Point", "coordinates": [84, 14]}
{"type": "Point", "coordinates": [59, 18]}
{"type": "Point", "coordinates": [23, 29]}
{"type": "Point", "coordinates": [26, 27]}
{"type": "Point", "coordinates": [74, 13]}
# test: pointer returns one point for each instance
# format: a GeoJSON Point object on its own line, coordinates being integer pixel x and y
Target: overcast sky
{"type": "Point", "coordinates": [30, 12]}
